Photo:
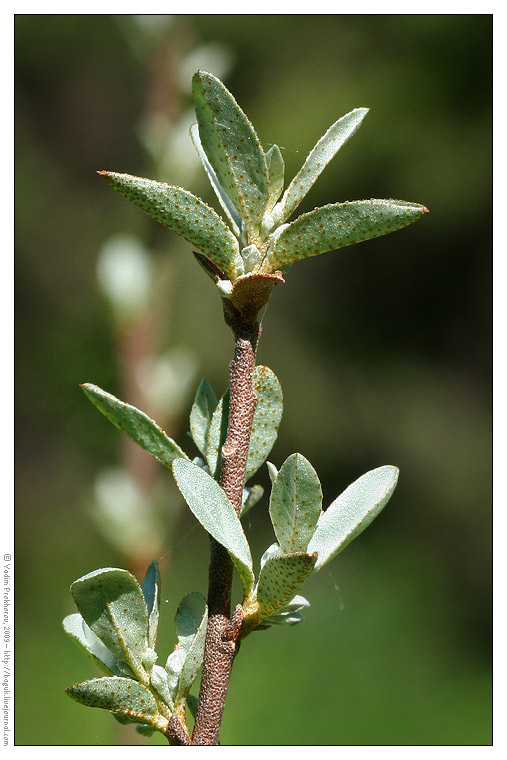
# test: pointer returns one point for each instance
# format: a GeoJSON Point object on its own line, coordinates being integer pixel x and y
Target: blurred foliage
{"type": "Point", "coordinates": [383, 352]}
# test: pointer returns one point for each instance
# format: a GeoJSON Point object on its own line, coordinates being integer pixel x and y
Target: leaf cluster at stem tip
{"type": "Point", "coordinates": [248, 250]}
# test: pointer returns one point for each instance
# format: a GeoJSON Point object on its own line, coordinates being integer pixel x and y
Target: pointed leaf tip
{"type": "Point", "coordinates": [352, 512]}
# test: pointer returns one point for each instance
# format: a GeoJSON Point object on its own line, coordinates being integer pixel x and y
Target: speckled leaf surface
{"type": "Point", "coordinates": [210, 505]}
{"type": "Point", "coordinates": [112, 604]}
{"type": "Point", "coordinates": [183, 213]}
{"type": "Point", "coordinates": [279, 580]}
{"type": "Point", "coordinates": [151, 592]}
{"type": "Point", "coordinates": [120, 695]}
{"type": "Point", "coordinates": [295, 504]}
{"type": "Point", "coordinates": [340, 224]}
{"type": "Point", "coordinates": [136, 424]}
{"type": "Point", "coordinates": [191, 621]}
{"type": "Point", "coordinates": [318, 158]}
{"type": "Point", "coordinates": [233, 149]}
{"type": "Point", "coordinates": [204, 405]}
{"type": "Point", "coordinates": [352, 512]}
{"type": "Point", "coordinates": [222, 196]}
{"type": "Point", "coordinates": [75, 627]}
{"type": "Point", "coordinates": [276, 170]}
{"type": "Point", "coordinates": [267, 417]}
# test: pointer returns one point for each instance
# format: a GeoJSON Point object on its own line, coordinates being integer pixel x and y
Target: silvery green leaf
{"type": "Point", "coordinates": [318, 158]}
{"type": "Point", "coordinates": [276, 169]}
{"type": "Point", "coordinates": [183, 213]}
{"type": "Point", "coordinates": [204, 405]}
{"type": "Point", "coordinates": [159, 681]}
{"type": "Point", "coordinates": [216, 514]}
{"type": "Point", "coordinates": [272, 551]}
{"type": "Point", "coordinates": [136, 424]}
{"type": "Point", "coordinates": [225, 201]}
{"type": "Point", "coordinates": [151, 592]}
{"type": "Point", "coordinates": [112, 604]}
{"type": "Point", "coordinates": [120, 695]}
{"type": "Point", "coordinates": [251, 257]}
{"type": "Point", "coordinates": [281, 576]}
{"type": "Point", "coordinates": [337, 225]}
{"type": "Point", "coordinates": [282, 618]}
{"type": "Point", "coordinates": [217, 434]}
{"type": "Point", "coordinates": [191, 620]}
{"type": "Point", "coordinates": [267, 417]}
{"type": "Point", "coordinates": [250, 498]}
{"type": "Point", "coordinates": [233, 149]}
{"type": "Point", "coordinates": [352, 512]}
{"type": "Point", "coordinates": [75, 627]}
{"type": "Point", "coordinates": [295, 504]}
{"type": "Point", "coordinates": [273, 472]}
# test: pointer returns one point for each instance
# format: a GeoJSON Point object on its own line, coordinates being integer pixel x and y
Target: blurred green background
{"type": "Point", "coordinates": [383, 352]}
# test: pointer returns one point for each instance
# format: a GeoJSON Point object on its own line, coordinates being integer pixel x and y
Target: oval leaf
{"type": "Point", "coordinates": [295, 504]}
{"type": "Point", "coordinates": [318, 158]}
{"type": "Point", "coordinates": [267, 417]}
{"type": "Point", "coordinates": [233, 149]}
{"type": "Point", "coordinates": [210, 505]}
{"type": "Point", "coordinates": [279, 580]}
{"type": "Point", "coordinates": [204, 405]}
{"type": "Point", "coordinates": [120, 695]}
{"type": "Point", "coordinates": [183, 213]}
{"type": "Point", "coordinates": [136, 424]}
{"type": "Point", "coordinates": [112, 604]}
{"type": "Point", "coordinates": [352, 512]}
{"type": "Point", "coordinates": [337, 225]}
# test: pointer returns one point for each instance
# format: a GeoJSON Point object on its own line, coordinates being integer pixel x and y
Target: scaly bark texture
{"type": "Point", "coordinates": [223, 631]}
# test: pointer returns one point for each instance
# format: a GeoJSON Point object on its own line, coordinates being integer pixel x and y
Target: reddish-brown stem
{"type": "Point", "coordinates": [222, 631]}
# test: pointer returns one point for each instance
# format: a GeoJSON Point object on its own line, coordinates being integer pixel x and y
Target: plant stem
{"type": "Point", "coordinates": [223, 631]}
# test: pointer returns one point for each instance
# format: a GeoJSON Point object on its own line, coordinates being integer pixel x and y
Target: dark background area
{"type": "Point", "coordinates": [383, 351]}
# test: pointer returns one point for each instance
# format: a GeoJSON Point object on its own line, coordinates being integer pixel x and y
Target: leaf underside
{"type": "Point", "coordinates": [280, 579]}
{"type": "Point", "coordinates": [295, 504]}
{"type": "Point", "coordinates": [183, 213]}
{"type": "Point", "coordinates": [120, 695]}
{"type": "Point", "coordinates": [338, 225]}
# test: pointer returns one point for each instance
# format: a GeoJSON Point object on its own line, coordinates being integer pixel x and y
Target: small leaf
{"type": "Point", "coordinates": [185, 214]}
{"type": "Point", "coordinates": [151, 592]}
{"type": "Point", "coordinates": [120, 695]}
{"type": "Point", "coordinates": [273, 472]}
{"type": "Point", "coordinates": [75, 627]}
{"type": "Point", "coordinates": [295, 504]}
{"type": "Point", "coordinates": [136, 424]}
{"type": "Point", "coordinates": [289, 615]}
{"type": "Point", "coordinates": [352, 512]}
{"type": "Point", "coordinates": [267, 417]}
{"type": "Point", "coordinates": [318, 158]}
{"type": "Point", "coordinates": [159, 681]}
{"type": "Point", "coordinates": [216, 514]}
{"type": "Point", "coordinates": [225, 201]}
{"type": "Point", "coordinates": [250, 498]}
{"type": "Point", "coordinates": [272, 551]}
{"type": "Point", "coordinates": [112, 604]}
{"type": "Point", "coordinates": [217, 434]}
{"type": "Point", "coordinates": [233, 149]}
{"type": "Point", "coordinates": [280, 578]}
{"type": "Point", "coordinates": [191, 620]}
{"type": "Point", "coordinates": [276, 169]}
{"type": "Point", "coordinates": [337, 225]}
{"type": "Point", "coordinates": [204, 405]}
